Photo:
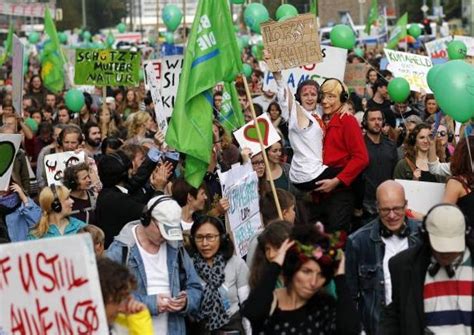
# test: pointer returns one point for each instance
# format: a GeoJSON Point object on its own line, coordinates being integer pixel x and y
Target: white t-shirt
{"type": "Point", "coordinates": [186, 225]}
{"type": "Point", "coordinates": [263, 101]}
{"type": "Point", "coordinates": [393, 245]}
{"type": "Point", "coordinates": [157, 277]}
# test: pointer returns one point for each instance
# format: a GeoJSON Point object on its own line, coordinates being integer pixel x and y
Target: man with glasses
{"type": "Point", "coordinates": [369, 249]}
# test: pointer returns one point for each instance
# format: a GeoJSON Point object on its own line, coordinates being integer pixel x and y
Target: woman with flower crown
{"type": "Point", "coordinates": [307, 263]}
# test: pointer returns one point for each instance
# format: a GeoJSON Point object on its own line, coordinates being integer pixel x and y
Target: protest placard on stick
{"type": "Point", "coordinates": [17, 73]}
{"type": "Point", "coordinates": [55, 164]}
{"type": "Point", "coordinates": [9, 144]}
{"type": "Point", "coordinates": [422, 195]}
{"type": "Point", "coordinates": [293, 42]}
{"type": "Point", "coordinates": [247, 137]}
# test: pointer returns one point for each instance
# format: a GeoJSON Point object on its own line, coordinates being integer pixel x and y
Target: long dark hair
{"type": "Point", "coordinates": [226, 247]}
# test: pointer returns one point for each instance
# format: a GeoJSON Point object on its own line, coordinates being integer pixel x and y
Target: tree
{"type": "Point", "coordinates": [100, 14]}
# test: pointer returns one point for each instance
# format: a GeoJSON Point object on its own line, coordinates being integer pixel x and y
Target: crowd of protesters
{"type": "Point", "coordinates": [348, 255]}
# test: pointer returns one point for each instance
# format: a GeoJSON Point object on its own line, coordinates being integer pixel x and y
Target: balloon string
{"type": "Point", "coordinates": [468, 142]}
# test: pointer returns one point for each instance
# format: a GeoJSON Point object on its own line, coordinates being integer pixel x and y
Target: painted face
{"type": "Point", "coordinates": [207, 240]}
{"type": "Point", "coordinates": [309, 97]}
{"type": "Point", "coordinates": [307, 280]}
{"type": "Point", "coordinates": [274, 153]}
{"type": "Point", "coordinates": [422, 140]}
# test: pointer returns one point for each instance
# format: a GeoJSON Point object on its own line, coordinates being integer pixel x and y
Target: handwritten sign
{"type": "Point", "coordinates": [293, 42]}
{"type": "Point", "coordinates": [17, 94]}
{"type": "Point", "coordinates": [51, 286]}
{"type": "Point", "coordinates": [240, 187]}
{"type": "Point", "coordinates": [355, 76]}
{"type": "Point", "coordinates": [156, 64]}
{"type": "Point", "coordinates": [55, 164]}
{"type": "Point", "coordinates": [414, 68]}
{"type": "Point", "coordinates": [422, 195]}
{"type": "Point", "coordinates": [106, 67]}
{"type": "Point", "coordinates": [247, 135]}
{"type": "Point", "coordinates": [332, 66]}
{"type": "Point", "coordinates": [151, 75]}
{"type": "Point", "coordinates": [439, 47]}
{"type": "Point", "coordinates": [171, 67]}
{"type": "Point", "coordinates": [9, 144]}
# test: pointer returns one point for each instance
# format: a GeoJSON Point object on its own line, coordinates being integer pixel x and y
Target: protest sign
{"type": "Point", "coordinates": [9, 144]}
{"type": "Point", "coordinates": [439, 48]}
{"type": "Point", "coordinates": [171, 67]}
{"type": "Point", "coordinates": [355, 77]}
{"type": "Point", "coordinates": [240, 187]}
{"type": "Point", "coordinates": [414, 68]}
{"type": "Point", "coordinates": [293, 42]}
{"type": "Point", "coordinates": [247, 135]}
{"type": "Point", "coordinates": [156, 64]}
{"type": "Point", "coordinates": [153, 84]}
{"type": "Point", "coordinates": [332, 66]}
{"type": "Point", "coordinates": [422, 195]}
{"type": "Point", "coordinates": [55, 164]}
{"type": "Point", "coordinates": [105, 67]}
{"type": "Point", "coordinates": [17, 72]}
{"type": "Point", "coordinates": [51, 286]}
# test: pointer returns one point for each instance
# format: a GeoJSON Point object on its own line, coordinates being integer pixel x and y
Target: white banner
{"type": "Point", "coordinates": [17, 73]}
{"type": "Point", "coordinates": [31, 10]}
{"type": "Point", "coordinates": [153, 86]}
{"type": "Point", "coordinates": [171, 67]}
{"type": "Point", "coordinates": [414, 68]}
{"type": "Point", "coordinates": [240, 187]}
{"type": "Point", "coordinates": [439, 48]}
{"type": "Point", "coordinates": [332, 66]}
{"type": "Point", "coordinates": [9, 144]}
{"type": "Point", "coordinates": [55, 164]}
{"type": "Point", "coordinates": [51, 286]}
{"type": "Point", "coordinates": [156, 64]}
{"type": "Point", "coordinates": [247, 135]}
{"type": "Point", "coordinates": [422, 195]}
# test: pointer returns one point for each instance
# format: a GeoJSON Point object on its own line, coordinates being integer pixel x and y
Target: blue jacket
{"type": "Point", "coordinates": [365, 251]}
{"type": "Point", "coordinates": [72, 228]}
{"type": "Point", "coordinates": [22, 220]}
{"type": "Point", "coordinates": [125, 242]}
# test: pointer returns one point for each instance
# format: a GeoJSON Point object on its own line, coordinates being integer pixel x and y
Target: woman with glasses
{"type": "Point", "coordinates": [224, 277]}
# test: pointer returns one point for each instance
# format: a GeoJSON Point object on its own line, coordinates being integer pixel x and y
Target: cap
{"type": "Point", "coordinates": [446, 228]}
{"type": "Point", "coordinates": [168, 216]}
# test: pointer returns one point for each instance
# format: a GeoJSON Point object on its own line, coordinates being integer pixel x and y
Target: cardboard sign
{"type": "Point", "coordinates": [422, 195]}
{"type": "Point", "coordinates": [355, 76]}
{"type": "Point", "coordinates": [171, 67]}
{"type": "Point", "coordinates": [439, 48]}
{"type": "Point", "coordinates": [333, 66]}
{"type": "Point", "coordinates": [154, 88]}
{"type": "Point", "coordinates": [17, 72]}
{"type": "Point", "coordinates": [240, 187]}
{"type": "Point", "coordinates": [55, 164]}
{"type": "Point", "coordinates": [414, 68]}
{"type": "Point", "coordinates": [293, 42]}
{"type": "Point", "coordinates": [105, 67]}
{"type": "Point", "coordinates": [51, 286]}
{"type": "Point", "coordinates": [247, 135]}
{"type": "Point", "coordinates": [156, 64]}
{"type": "Point", "coordinates": [9, 144]}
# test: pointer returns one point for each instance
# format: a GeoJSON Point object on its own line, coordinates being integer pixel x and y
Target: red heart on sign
{"type": "Point", "coordinates": [250, 132]}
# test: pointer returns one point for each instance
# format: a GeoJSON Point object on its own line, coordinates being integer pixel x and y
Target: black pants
{"type": "Point", "coordinates": [328, 173]}
{"type": "Point", "coordinates": [335, 210]}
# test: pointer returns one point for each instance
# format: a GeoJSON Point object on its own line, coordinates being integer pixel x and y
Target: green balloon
{"type": "Point", "coordinates": [286, 10]}
{"type": "Point", "coordinates": [257, 52]}
{"type": "Point", "coordinates": [457, 50]}
{"type": "Point", "coordinates": [86, 36]}
{"type": "Point", "coordinates": [398, 89]}
{"type": "Point", "coordinates": [74, 100]}
{"type": "Point", "coordinates": [359, 52]}
{"type": "Point", "coordinates": [238, 2]}
{"type": "Point", "coordinates": [62, 38]}
{"type": "Point", "coordinates": [342, 36]}
{"type": "Point", "coordinates": [33, 37]}
{"type": "Point", "coordinates": [245, 40]}
{"type": "Point", "coordinates": [432, 75]}
{"type": "Point", "coordinates": [254, 15]}
{"type": "Point", "coordinates": [110, 40]}
{"type": "Point", "coordinates": [247, 70]}
{"type": "Point", "coordinates": [456, 98]}
{"type": "Point", "coordinates": [121, 27]}
{"type": "Point", "coordinates": [169, 37]}
{"type": "Point", "coordinates": [414, 30]}
{"type": "Point", "coordinates": [31, 124]}
{"type": "Point", "coordinates": [172, 17]}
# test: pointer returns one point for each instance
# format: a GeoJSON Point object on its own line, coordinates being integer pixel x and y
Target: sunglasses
{"type": "Point", "coordinates": [441, 133]}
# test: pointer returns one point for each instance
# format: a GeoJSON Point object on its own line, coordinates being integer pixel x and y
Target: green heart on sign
{"type": "Point", "coordinates": [7, 154]}
{"type": "Point", "coordinates": [250, 132]}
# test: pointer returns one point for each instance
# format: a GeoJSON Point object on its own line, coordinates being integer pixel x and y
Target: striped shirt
{"type": "Point", "coordinates": [448, 301]}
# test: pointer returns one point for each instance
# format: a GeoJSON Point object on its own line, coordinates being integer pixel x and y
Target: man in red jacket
{"type": "Point", "coordinates": [343, 147]}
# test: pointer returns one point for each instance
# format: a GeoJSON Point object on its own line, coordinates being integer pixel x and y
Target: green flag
{"type": "Point", "coordinates": [9, 45]}
{"type": "Point", "coordinates": [231, 116]}
{"type": "Point", "coordinates": [52, 63]}
{"type": "Point", "coordinates": [373, 15]}
{"type": "Point", "coordinates": [314, 7]}
{"type": "Point", "coordinates": [399, 32]}
{"type": "Point", "coordinates": [211, 56]}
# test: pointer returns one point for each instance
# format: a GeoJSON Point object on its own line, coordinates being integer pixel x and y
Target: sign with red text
{"type": "Point", "coordinates": [26, 10]}
{"type": "Point", "coordinates": [439, 48]}
{"type": "Point", "coordinates": [247, 135]}
{"type": "Point", "coordinates": [332, 66]}
{"type": "Point", "coordinates": [51, 286]}
{"type": "Point", "coordinates": [55, 164]}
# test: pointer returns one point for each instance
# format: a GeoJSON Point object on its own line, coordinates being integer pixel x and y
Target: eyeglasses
{"type": "Point", "coordinates": [398, 210]}
{"type": "Point", "coordinates": [258, 163]}
{"type": "Point", "coordinates": [208, 238]}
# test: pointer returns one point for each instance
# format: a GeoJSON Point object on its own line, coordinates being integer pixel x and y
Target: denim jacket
{"type": "Point", "coordinates": [125, 243]}
{"type": "Point", "coordinates": [365, 251]}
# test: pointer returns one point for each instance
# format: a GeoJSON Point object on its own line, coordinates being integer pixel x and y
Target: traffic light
{"type": "Point", "coordinates": [427, 26]}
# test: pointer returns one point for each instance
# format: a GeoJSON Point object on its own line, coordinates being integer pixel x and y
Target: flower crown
{"type": "Point", "coordinates": [326, 256]}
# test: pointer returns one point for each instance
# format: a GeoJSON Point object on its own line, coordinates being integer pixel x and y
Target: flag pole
{"type": "Point", "coordinates": [262, 147]}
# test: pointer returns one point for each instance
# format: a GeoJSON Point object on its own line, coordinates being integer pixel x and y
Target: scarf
{"type": "Point", "coordinates": [212, 307]}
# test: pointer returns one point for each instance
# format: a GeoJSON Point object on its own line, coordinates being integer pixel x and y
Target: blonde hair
{"type": "Point", "coordinates": [46, 199]}
{"type": "Point", "coordinates": [97, 234]}
{"type": "Point", "coordinates": [107, 129]}
{"type": "Point", "coordinates": [333, 86]}
{"type": "Point", "coordinates": [135, 122]}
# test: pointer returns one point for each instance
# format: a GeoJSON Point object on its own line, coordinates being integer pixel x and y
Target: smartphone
{"type": "Point", "coordinates": [173, 158]}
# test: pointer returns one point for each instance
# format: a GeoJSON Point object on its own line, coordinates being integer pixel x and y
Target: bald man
{"type": "Point", "coordinates": [369, 249]}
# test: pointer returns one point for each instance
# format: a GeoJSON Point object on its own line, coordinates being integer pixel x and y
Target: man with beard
{"type": "Point", "coordinates": [382, 159]}
{"type": "Point", "coordinates": [93, 139]}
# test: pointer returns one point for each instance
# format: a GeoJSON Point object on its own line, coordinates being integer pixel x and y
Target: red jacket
{"type": "Point", "coordinates": [344, 147]}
